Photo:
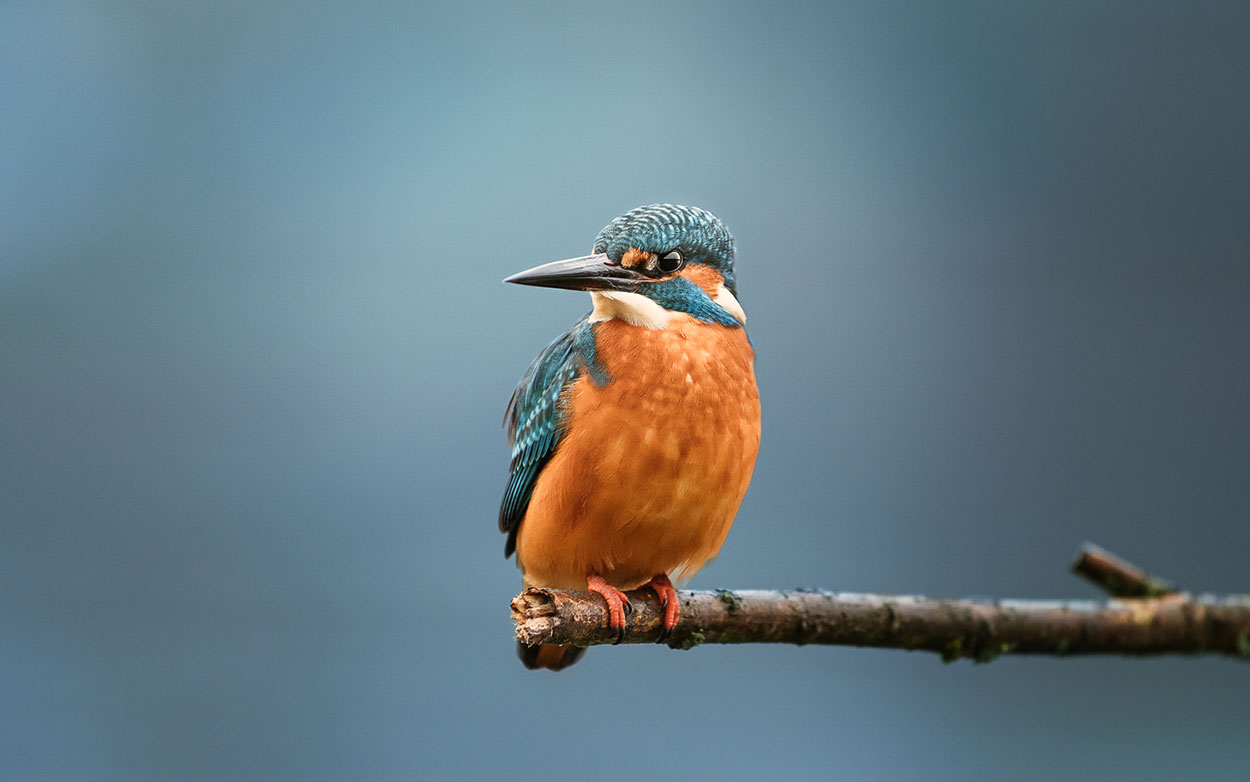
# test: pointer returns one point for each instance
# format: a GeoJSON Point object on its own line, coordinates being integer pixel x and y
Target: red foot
{"type": "Point", "coordinates": [668, 598]}
{"type": "Point", "coordinates": [618, 604]}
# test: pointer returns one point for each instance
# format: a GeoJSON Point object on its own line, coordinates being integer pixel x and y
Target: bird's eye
{"type": "Point", "coordinates": [671, 262]}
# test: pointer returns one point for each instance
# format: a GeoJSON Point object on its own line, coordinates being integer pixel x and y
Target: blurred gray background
{"type": "Point", "coordinates": [254, 353]}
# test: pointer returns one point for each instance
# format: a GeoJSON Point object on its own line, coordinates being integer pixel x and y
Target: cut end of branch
{"type": "Point", "coordinates": [535, 614]}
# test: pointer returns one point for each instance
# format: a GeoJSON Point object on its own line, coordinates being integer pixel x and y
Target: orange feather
{"type": "Point", "coordinates": [653, 465]}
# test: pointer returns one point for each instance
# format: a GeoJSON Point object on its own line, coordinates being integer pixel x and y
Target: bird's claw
{"type": "Point", "coordinates": [618, 604]}
{"type": "Point", "coordinates": [664, 634]}
{"type": "Point", "coordinates": [669, 603]}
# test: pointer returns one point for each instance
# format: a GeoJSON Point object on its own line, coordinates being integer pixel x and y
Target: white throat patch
{"type": "Point", "coordinates": [638, 310]}
{"type": "Point", "coordinates": [633, 308]}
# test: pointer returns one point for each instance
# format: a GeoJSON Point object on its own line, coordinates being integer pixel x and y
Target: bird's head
{"type": "Point", "coordinates": [676, 258]}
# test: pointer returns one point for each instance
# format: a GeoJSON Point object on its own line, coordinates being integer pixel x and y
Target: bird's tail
{"type": "Point", "coordinates": [553, 657]}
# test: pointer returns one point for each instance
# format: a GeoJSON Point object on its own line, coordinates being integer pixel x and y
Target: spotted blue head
{"type": "Point", "coordinates": [676, 258]}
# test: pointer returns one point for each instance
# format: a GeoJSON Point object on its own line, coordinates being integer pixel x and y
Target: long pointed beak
{"type": "Point", "coordinates": [588, 273]}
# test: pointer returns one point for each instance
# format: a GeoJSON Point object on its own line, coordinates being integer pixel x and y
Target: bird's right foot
{"type": "Point", "coordinates": [618, 604]}
{"type": "Point", "coordinates": [669, 602]}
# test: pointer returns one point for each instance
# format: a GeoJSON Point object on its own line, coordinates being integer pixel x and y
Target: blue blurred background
{"type": "Point", "coordinates": [254, 354]}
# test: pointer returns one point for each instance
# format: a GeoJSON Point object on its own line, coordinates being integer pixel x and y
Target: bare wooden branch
{"type": "Point", "coordinates": [977, 629]}
{"type": "Point", "coordinates": [1117, 577]}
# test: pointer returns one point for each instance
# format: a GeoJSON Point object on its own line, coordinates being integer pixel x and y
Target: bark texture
{"type": "Point", "coordinates": [1164, 623]}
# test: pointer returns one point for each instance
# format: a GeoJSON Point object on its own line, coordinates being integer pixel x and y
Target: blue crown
{"type": "Point", "coordinates": [698, 234]}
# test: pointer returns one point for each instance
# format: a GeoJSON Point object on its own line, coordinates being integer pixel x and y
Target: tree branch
{"type": "Point", "coordinates": [1171, 622]}
{"type": "Point", "coordinates": [1117, 577]}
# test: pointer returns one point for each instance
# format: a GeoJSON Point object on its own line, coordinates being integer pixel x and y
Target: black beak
{"type": "Point", "coordinates": [588, 273]}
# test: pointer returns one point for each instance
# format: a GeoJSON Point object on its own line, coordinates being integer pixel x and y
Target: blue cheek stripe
{"type": "Point", "coordinates": [682, 295]}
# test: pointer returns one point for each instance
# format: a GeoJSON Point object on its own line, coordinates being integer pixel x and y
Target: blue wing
{"type": "Point", "coordinates": [535, 418]}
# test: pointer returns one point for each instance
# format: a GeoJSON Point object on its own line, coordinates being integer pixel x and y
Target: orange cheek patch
{"type": "Point", "coordinates": [635, 257]}
{"type": "Point", "coordinates": [705, 277]}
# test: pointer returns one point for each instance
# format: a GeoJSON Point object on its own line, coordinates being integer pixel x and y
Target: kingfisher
{"type": "Point", "coordinates": [634, 434]}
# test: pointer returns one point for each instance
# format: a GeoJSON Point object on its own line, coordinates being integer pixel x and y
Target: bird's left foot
{"type": "Point", "coordinates": [618, 604]}
{"type": "Point", "coordinates": [668, 598]}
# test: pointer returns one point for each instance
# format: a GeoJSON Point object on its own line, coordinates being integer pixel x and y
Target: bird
{"type": "Point", "coordinates": [635, 433]}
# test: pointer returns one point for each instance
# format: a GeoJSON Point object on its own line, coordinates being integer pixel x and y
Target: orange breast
{"type": "Point", "coordinates": [653, 466]}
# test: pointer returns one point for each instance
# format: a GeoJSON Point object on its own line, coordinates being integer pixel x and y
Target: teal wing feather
{"type": "Point", "coordinates": [535, 419]}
